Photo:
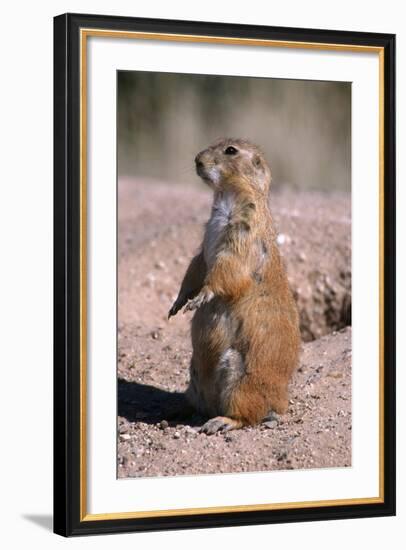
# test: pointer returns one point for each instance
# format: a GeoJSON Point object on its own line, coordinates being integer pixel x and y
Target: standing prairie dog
{"type": "Point", "coordinates": [245, 330]}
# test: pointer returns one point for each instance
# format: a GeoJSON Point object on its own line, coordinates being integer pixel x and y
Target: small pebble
{"type": "Point", "coordinates": [176, 435]}
{"type": "Point", "coordinates": [282, 456]}
{"type": "Point", "coordinates": [163, 424]}
{"type": "Point", "coordinates": [335, 374]}
{"type": "Point", "coordinates": [125, 437]}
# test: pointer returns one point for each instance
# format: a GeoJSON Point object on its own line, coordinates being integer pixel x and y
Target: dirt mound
{"type": "Point", "coordinates": [315, 240]}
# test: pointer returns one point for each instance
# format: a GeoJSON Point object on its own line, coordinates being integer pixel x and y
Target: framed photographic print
{"type": "Point", "coordinates": [224, 261]}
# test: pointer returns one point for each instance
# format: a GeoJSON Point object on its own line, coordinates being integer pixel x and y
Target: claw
{"type": "Point", "coordinates": [172, 312]}
{"type": "Point", "coordinates": [178, 304]}
{"type": "Point", "coordinates": [202, 298]}
{"type": "Point", "coordinates": [220, 424]}
{"type": "Point", "coordinates": [193, 304]}
{"type": "Point", "coordinates": [212, 426]}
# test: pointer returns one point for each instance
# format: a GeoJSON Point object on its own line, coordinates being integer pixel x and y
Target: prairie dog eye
{"type": "Point", "coordinates": [230, 151]}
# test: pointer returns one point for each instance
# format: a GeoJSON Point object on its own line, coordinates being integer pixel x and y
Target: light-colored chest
{"type": "Point", "coordinates": [221, 214]}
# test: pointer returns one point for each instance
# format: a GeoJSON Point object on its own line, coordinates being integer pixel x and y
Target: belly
{"type": "Point", "coordinates": [212, 329]}
{"type": "Point", "coordinates": [216, 366]}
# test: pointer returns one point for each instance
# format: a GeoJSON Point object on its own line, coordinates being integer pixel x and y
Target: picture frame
{"type": "Point", "coordinates": [72, 205]}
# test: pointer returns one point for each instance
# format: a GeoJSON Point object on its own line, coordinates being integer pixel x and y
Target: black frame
{"type": "Point", "coordinates": [67, 275]}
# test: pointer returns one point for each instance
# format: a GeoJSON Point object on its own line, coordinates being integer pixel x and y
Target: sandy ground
{"type": "Point", "coordinates": [160, 227]}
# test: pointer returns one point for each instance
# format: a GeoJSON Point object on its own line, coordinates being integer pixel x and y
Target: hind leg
{"type": "Point", "coordinates": [239, 417]}
{"type": "Point", "coordinates": [228, 373]}
{"type": "Point", "coordinates": [249, 405]}
{"type": "Point", "coordinates": [255, 401]}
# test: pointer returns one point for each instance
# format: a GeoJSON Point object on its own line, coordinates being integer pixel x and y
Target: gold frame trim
{"type": "Point", "coordinates": [84, 34]}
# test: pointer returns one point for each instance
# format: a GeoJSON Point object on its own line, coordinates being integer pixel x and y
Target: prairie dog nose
{"type": "Point", "coordinates": [198, 160]}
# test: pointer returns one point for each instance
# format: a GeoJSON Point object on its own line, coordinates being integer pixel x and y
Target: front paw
{"type": "Point", "coordinates": [204, 296]}
{"type": "Point", "coordinates": [178, 304]}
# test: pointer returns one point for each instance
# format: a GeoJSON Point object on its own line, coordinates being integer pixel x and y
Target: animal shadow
{"type": "Point", "coordinates": [143, 403]}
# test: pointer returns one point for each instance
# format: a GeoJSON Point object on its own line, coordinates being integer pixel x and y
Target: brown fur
{"type": "Point", "coordinates": [245, 331]}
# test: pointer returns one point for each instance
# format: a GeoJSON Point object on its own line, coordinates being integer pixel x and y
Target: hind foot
{"type": "Point", "coordinates": [220, 424]}
{"type": "Point", "coordinates": [272, 416]}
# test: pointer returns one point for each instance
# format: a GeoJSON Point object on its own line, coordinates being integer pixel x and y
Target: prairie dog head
{"type": "Point", "coordinates": [233, 164]}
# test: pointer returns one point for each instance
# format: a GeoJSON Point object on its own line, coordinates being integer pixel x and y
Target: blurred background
{"type": "Point", "coordinates": [304, 127]}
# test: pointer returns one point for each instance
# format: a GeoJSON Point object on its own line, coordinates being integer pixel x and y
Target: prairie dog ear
{"type": "Point", "coordinates": [264, 173]}
{"type": "Point", "coordinates": [257, 161]}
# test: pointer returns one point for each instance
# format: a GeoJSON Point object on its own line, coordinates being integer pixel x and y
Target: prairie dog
{"type": "Point", "coordinates": [245, 330]}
